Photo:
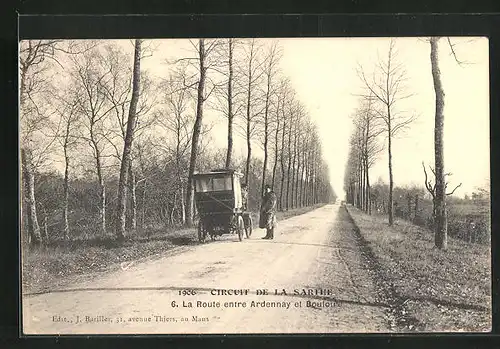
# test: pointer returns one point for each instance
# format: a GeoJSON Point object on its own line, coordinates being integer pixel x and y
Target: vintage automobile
{"type": "Point", "coordinates": [219, 204]}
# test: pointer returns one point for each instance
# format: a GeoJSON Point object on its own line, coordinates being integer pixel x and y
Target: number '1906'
{"type": "Point", "coordinates": [187, 292]}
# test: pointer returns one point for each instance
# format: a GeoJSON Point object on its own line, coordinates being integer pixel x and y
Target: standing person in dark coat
{"type": "Point", "coordinates": [268, 212]}
{"type": "Point", "coordinates": [244, 196]}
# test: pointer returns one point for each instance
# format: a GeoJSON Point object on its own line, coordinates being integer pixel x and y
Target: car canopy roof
{"type": "Point", "coordinates": [218, 172]}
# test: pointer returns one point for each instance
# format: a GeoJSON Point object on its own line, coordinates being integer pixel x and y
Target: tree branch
{"type": "Point", "coordinates": [454, 189]}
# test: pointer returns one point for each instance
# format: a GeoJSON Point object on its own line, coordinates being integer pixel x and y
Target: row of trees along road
{"type": "Point", "coordinates": [378, 114]}
{"type": "Point", "coordinates": [109, 149]}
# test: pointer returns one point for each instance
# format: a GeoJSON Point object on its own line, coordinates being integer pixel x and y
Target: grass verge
{"type": "Point", "coordinates": [440, 291]}
{"type": "Point", "coordinates": [48, 267]}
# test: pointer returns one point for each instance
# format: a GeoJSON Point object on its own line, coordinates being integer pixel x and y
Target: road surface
{"type": "Point", "coordinates": [315, 275]}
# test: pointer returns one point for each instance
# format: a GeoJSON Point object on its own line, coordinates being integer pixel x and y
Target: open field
{"type": "Point", "coordinates": [436, 290]}
{"type": "Point", "coordinates": [467, 220]}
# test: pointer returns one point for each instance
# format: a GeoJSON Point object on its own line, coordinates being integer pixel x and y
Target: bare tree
{"type": "Point", "coordinates": [278, 127]}
{"type": "Point", "coordinates": [270, 70]}
{"type": "Point", "coordinates": [317, 172]}
{"type": "Point", "coordinates": [287, 96]}
{"type": "Point", "coordinates": [36, 58]}
{"type": "Point", "coordinates": [298, 123]}
{"type": "Point", "coordinates": [387, 86]}
{"type": "Point", "coordinates": [253, 74]}
{"type": "Point", "coordinates": [29, 185]}
{"type": "Point", "coordinates": [283, 121]}
{"type": "Point", "coordinates": [127, 148]}
{"type": "Point", "coordinates": [305, 142]}
{"type": "Point", "coordinates": [204, 50]}
{"type": "Point", "coordinates": [309, 135]}
{"type": "Point", "coordinates": [33, 57]}
{"type": "Point", "coordinates": [294, 111]}
{"type": "Point", "coordinates": [368, 129]}
{"type": "Point", "coordinates": [118, 91]}
{"type": "Point", "coordinates": [144, 120]}
{"type": "Point", "coordinates": [230, 115]}
{"type": "Point", "coordinates": [90, 78]}
{"type": "Point", "coordinates": [228, 95]}
{"type": "Point", "coordinates": [68, 140]}
{"type": "Point", "coordinates": [439, 195]}
{"type": "Point", "coordinates": [176, 119]}
{"type": "Point", "coordinates": [438, 192]}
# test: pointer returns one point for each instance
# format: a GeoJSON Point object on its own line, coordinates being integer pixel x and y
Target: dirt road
{"type": "Point", "coordinates": [314, 259]}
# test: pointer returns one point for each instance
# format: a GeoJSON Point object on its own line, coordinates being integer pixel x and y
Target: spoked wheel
{"type": "Point", "coordinates": [248, 226]}
{"type": "Point", "coordinates": [240, 227]}
{"type": "Point", "coordinates": [202, 233]}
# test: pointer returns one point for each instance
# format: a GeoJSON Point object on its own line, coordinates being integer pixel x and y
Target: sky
{"type": "Point", "coordinates": [323, 72]}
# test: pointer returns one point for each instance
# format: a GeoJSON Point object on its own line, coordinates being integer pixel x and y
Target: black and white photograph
{"type": "Point", "coordinates": [255, 185]}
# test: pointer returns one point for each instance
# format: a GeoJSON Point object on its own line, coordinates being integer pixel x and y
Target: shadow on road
{"type": "Point", "coordinates": [302, 244]}
{"type": "Point", "coordinates": [182, 241]}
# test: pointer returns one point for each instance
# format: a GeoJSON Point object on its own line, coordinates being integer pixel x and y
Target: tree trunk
{"type": "Point", "coordinates": [365, 189]}
{"type": "Point", "coordinates": [282, 180]}
{"type": "Point", "coordinates": [361, 183]}
{"type": "Point", "coordinates": [293, 191]}
{"type": "Point", "coordinates": [127, 148]}
{"type": "Point", "coordinates": [182, 197]}
{"type": "Point", "coordinates": [313, 164]}
{"type": "Point", "coordinates": [288, 178]}
{"type": "Point", "coordinates": [306, 178]}
{"type": "Point", "coordinates": [100, 179]}
{"type": "Point", "coordinates": [316, 186]}
{"type": "Point", "coordinates": [196, 135]}
{"type": "Point", "coordinates": [29, 183]}
{"type": "Point", "coordinates": [143, 216]}
{"type": "Point", "coordinates": [310, 177]}
{"type": "Point", "coordinates": [441, 221]}
{"type": "Point", "coordinates": [183, 207]}
{"type": "Point", "coordinates": [230, 107]}
{"type": "Point", "coordinates": [366, 156]}
{"type": "Point", "coordinates": [102, 195]}
{"type": "Point", "coordinates": [302, 179]}
{"type": "Point", "coordinates": [266, 135]}
{"type": "Point", "coordinates": [282, 159]}
{"type": "Point", "coordinates": [297, 183]}
{"type": "Point", "coordinates": [296, 166]}
{"type": "Point", "coordinates": [368, 188]}
{"type": "Point", "coordinates": [249, 119]}
{"type": "Point", "coordinates": [249, 155]}
{"type": "Point", "coordinates": [391, 179]}
{"type": "Point", "coordinates": [172, 210]}
{"type": "Point", "coordinates": [287, 206]}
{"type": "Point", "coordinates": [66, 192]}
{"type": "Point", "coordinates": [276, 140]}
{"type": "Point", "coordinates": [133, 199]}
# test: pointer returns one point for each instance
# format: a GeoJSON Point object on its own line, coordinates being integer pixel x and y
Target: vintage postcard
{"type": "Point", "coordinates": [255, 186]}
